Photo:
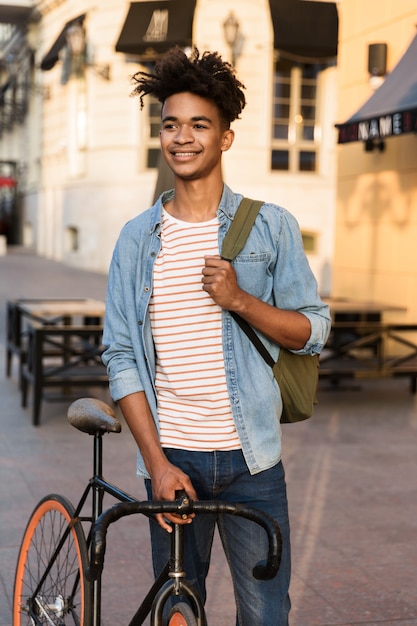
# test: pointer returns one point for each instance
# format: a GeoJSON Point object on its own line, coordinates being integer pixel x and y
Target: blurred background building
{"type": "Point", "coordinates": [78, 157]}
{"type": "Point", "coordinates": [375, 254]}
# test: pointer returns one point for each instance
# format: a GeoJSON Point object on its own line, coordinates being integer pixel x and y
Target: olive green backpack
{"type": "Point", "coordinates": [296, 374]}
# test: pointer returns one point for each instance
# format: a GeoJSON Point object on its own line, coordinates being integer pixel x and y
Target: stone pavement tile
{"type": "Point", "coordinates": [355, 591]}
{"type": "Point", "coordinates": [309, 607]}
{"type": "Point", "coordinates": [407, 622]}
{"type": "Point", "coordinates": [351, 477]}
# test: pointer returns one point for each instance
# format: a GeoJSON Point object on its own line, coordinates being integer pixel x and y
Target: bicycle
{"type": "Point", "coordinates": [58, 584]}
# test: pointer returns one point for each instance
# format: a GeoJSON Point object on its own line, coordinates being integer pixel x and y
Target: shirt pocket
{"type": "Point", "coordinates": [253, 274]}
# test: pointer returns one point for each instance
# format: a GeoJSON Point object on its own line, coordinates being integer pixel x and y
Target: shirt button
{"type": "Point", "coordinates": [146, 289]}
{"type": "Point", "coordinates": [140, 322]}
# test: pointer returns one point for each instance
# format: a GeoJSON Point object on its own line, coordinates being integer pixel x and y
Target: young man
{"type": "Point", "coordinates": [201, 403]}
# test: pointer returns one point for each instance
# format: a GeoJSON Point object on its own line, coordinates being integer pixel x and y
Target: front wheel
{"type": "Point", "coordinates": [182, 614]}
{"type": "Point", "coordinates": [50, 586]}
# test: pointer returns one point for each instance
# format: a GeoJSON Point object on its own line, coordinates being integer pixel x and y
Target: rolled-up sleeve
{"type": "Point", "coordinates": [119, 354]}
{"type": "Point", "coordinates": [320, 329]}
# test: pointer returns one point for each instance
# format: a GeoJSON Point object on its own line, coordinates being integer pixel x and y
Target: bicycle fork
{"type": "Point", "coordinates": [177, 585]}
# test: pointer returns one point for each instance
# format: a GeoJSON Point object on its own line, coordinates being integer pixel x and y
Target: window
{"type": "Point", "coordinates": [309, 242]}
{"type": "Point", "coordinates": [154, 126]}
{"type": "Point", "coordinates": [77, 127]}
{"type": "Point", "coordinates": [72, 239]}
{"type": "Point", "coordinates": [294, 123]}
{"type": "Point", "coordinates": [28, 237]}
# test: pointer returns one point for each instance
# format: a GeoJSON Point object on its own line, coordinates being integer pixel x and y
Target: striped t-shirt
{"type": "Point", "coordinates": [193, 402]}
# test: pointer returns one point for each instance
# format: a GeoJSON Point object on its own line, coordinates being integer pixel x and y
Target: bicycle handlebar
{"type": "Point", "coordinates": [185, 506]}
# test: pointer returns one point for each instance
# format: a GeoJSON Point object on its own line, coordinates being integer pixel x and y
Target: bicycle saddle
{"type": "Point", "coordinates": [91, 416]}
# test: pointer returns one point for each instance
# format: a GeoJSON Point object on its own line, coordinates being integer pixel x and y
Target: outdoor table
{"type": "Point", "coordinates": [370, 349]}
{"type": "Point", "coordinates": [47, 311]}
{"type": "Point", "coordinates": [362, 344]}
{"type": "Point", "coordinates": [351, 310]}
{"type": "Point", "coordinates": [61, 356]}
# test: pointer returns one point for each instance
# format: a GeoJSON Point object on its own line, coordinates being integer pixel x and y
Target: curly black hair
{"type": "Point", "coordinates": [207, 76]}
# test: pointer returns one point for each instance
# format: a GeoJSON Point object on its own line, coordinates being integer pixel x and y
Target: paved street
{"type": "Point", "coordinates": [352, 483]}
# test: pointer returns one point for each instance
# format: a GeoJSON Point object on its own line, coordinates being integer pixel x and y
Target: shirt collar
{"type": "Point", "coordinates": [228, 205]}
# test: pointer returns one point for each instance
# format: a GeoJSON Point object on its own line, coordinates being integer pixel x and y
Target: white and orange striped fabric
{"type": "Point", "coordinates": [193, 402]}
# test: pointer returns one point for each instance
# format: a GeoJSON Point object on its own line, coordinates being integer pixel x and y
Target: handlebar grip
{"type": "Point", "coordinates": [95, 568]}
{"type": "Point", "coordinates": [262, 570]}
{"type": "Point", "coordinates": [266, 571]}
{"type": "Point", "coordinates": [98, 542]}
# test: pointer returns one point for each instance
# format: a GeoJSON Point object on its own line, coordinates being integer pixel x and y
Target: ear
{"type": "Point", "coordinates": [227, 140]}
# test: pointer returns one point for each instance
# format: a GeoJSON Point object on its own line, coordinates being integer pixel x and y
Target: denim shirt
{"type": "Point", "coordinates": [272, 266]}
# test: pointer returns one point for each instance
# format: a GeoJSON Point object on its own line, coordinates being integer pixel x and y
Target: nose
{"type": "Point", "coordinates": [184, 134]}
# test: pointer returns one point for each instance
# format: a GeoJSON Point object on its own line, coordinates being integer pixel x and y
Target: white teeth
{"type": "Point", "coordinates": [184, 154]}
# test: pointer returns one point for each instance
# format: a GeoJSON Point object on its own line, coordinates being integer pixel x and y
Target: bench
{"type": "Point", "coordinates": [360, 350]}
{"type": "Point", "coordinates": [61, 357]}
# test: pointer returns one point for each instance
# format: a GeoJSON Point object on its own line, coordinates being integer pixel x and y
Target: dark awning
{"type": "Point", "coordinates": [392, 109]}
{"type": "Point", "coordinates": [151, 28]}
{"type": "Point", "coordinates": [22, 13]}
{"type": "Point", "coordinates": [305, 30]}
{"type": "Point", "coordinates": [52, 56]}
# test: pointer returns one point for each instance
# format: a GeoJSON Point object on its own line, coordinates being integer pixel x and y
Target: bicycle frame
{"type": "Point", "coordinates": [98, 486]}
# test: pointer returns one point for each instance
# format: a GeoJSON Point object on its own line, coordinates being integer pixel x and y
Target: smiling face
{"type": "Point", "coordinates": [193, 136]}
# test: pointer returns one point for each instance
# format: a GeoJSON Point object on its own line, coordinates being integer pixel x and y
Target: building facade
{"type": "Point", "coordinates": [87, 157]}
{"type": "Point", "coordinates": [375, 255]}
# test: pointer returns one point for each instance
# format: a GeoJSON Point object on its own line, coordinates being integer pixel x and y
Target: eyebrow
{"type": "Point", "coordinates": [196, 118]}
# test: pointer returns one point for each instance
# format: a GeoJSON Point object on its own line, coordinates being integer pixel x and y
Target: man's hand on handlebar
{"type": "Point", "coordinates": [165, 484]}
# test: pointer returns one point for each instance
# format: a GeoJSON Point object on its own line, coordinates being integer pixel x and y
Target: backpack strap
{"type": "Point", "coordinates": [240, 228]}
{"type": "Point", "coordinates": [233, 243]}
{"type": "Point", "coordinates": [250, 333]}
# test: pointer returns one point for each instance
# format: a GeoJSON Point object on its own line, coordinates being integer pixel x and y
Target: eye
{"type": "Point", "coordinates": [169, 126]}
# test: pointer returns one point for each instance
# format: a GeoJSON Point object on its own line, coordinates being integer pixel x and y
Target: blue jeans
{"type": "Point", "coordinates": [224, 476]}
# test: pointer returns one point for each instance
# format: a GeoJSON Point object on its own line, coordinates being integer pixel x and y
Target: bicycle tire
{"type": "Point", "coordinates": [64, 597]}
{"type": "Point", "coordinates": [182, 614]}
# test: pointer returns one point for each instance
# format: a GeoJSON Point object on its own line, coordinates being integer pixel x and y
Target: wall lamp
{"type": "Point", "coordinates": [232, 35]}
{"type": "Point", "coordinates": [374, 144]}
{"type": "Point", "coordinates": [77, 47]}
{"type": "Point", "coordinates": [377, 63]}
